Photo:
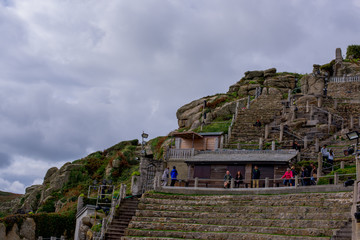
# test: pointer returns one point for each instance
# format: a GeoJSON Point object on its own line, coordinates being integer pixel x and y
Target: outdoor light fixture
{"type": "Point", "coordinates": [144, 135]}
{"type": "Point", "coordinates": [353, 135]}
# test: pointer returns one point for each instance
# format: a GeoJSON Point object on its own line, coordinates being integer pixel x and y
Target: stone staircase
{"type": "Point", "coordinates": [122, 218]}
{"type": "Point", "coordinates": [264, 108]}
{"type": "Point", "coordinates": [285, 216]}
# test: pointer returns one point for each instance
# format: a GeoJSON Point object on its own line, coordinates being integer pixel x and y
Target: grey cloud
{"type": "Point", "coordinates": [4, 160]}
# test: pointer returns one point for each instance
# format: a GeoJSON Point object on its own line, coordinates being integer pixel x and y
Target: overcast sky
{"type": "Point", "coordinates": [81, 76]}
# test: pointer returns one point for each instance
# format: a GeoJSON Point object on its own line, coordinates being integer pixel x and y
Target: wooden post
{"type": "Point", "coordinates": [319, 102]}
{"type": "Point", "coordinates": [351, 122]}
{"type": "Point", "coordinates": [273, 146]}
{"type": "Point", "coordinates": [232, 184]}
{"type": "Point", "coordinates": [357, 159]}
{"type": "Point", "coordinates": [305, 142]}
{"type": "Point", "coordinates": [261, 144]}
{"type": "Point", "coordinates": [266, 182]}
{"type": "Point", "coordinates": [289, 96]}
{"type": "Point", "coordinates": [281, 132]}
{"type": "Point", "coordinates": [296, 181]}
{"type": "Point", "coordinates": [329, 122]}
{"type": "Point", "coordinates": [196, 182]}
{"type": "Point", "coordinates": [336, 178]}
{"type": "Point", "coordinates": [307, 106]}
{"type": "Point", "coordinates": [266, 131]}
{"type": "Point", "coordinates": [342, 164]}
{"type": "Point", "coordinates": [298, 157]}
{"type": "Point", "coordinates": [238, 146]}
{"type": "Point", "coordinates": [316, 144]}
{"type": "Point", "coordinates": [248, 103]}
{"type": "Point", "coordinates": [320, 164]}
{"type": "Point", "coordinates": [335, 103]}
{"type": "Point", "coordinates": [311, 112]}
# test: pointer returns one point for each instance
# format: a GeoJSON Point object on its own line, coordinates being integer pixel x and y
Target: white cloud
{"type": "Point", "coordinates": [80, 76]}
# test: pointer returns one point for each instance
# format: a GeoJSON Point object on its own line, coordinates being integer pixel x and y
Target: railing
{"type": "Point", "coordinates": [115, 203]}
{"type": "Point", "coordinates": [52, 238]}
{"type": "Point", "coordinates": [246, 151]}
{"type": "Point", "coordinates": [180, 153]}
{"type": "Point", "coordinates": [297, 181]}
{"type": "Point", "coordinates": [345, 79]}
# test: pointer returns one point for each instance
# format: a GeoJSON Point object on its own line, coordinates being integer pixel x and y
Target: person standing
{"type": "Point", "coordinates": [325, 153]}
{"type": "Point", "coordinates": [173, 174]}
{"type": "Point", "coordinates": [227, 179]}
{"type": "Point", "coordinates": [165, 176]}
{"type": "Point", "coordinates": [295, 173]}
{"type": "Point", "coordinates": [255, 177]}
{"type": "Point", "coordinates": [288, 176]}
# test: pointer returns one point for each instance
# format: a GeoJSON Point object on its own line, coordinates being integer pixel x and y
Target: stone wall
{"type": "Point", "coordinates": [344, 90]}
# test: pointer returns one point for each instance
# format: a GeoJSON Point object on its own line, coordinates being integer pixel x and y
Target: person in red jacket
{"type": "Point", "coordinates": [288, 176]}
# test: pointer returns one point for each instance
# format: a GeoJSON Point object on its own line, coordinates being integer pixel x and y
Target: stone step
{"type": "Point", "coordinates": [269, 215]}
{"type": "Point", "coordinates": [346, 196]}
{"type": "Point", "coordinates": [243, 209]}
{"type": "Point", "coordinates": [226, 228]}
{"type": "Point", "coordinates": [236, 203]}
{"type": "Point", "coordinates": [286, 223]}
{"type": "Point", "coordinates": [214, 235]}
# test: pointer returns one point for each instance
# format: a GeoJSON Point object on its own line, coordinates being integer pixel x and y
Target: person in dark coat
{"type": "Point", "coordinates": [173, 175]}
{"type": "Point", "coordinates": [255, 177]}
{"type": "Point", "coordinates": [238, 179]}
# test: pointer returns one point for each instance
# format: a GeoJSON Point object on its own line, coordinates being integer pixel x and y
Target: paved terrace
{"type": "Point", "coordinates": [278, 190]}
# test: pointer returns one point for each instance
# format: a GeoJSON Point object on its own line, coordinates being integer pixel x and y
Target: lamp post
{"type": "Point", "coordinates": [143, 136]}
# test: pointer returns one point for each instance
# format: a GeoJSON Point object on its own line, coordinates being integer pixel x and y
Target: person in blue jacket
{"type": "Point", "coordinates": [173, 175]}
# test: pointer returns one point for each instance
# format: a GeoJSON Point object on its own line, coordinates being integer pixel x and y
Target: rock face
{"type": "Point", "coordinates": [32, 196]}
{"type": "Point", "coordinates": [27, 229]}
{"type": "Point", "coordinates": [2, 231]}
{"type": "Point", "coordinates": [54, 180]}
{"type": "Point", "coordinates": [312, 85]}
{"type": "Point", "coordinates": [191, 114]}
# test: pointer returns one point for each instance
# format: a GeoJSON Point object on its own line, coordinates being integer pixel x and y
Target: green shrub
{"type": "Point", "coordinates": [353, 51]}
{"type": "Point", "coordinates": [54, 224]}
{"type": "Point", "coordinates": [48, 206]}
{"type": "Point", "coordinates": [96, 228]}
{"type": "Point", "coordinates": [135, 173]}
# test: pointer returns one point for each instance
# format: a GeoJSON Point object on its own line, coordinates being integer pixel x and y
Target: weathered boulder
{"type": "Point", "coordinates": [286, 81]}
{"type": "Point", "coordinates": [248, 89]}
{"type": "Point", "coordinates": [253, 74]}
{"type": "Point", "coordinates": [271, 91]}
{"type": "Point", "coordinates": [49, 176]}
{"type": "Point", "coordinates": [269, 72]}
{"type": "Point", "coordinates": [27, 230]}
{"type": "Point", "coordinates": [57, 179]}
{"type": "Point", "coordinates": [87, 221]}
{"type": "Point", "coordinates": [32, 195]}
{"type": "Point", "coordinates": [311, 84]}
{"type": "Point", "coordinates": [2, 231]}
{"type": "Point", "coordinates": [306, 98]}
{"type": "Point", "coordinates": [14, 233]}
{"type": "Point", "coordinates": [83, 231]}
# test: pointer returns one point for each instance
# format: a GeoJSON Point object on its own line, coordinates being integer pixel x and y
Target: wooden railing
{"type": "Point", "coordinates": [180, 153]}
{"type": "Point", "coordinates": [345, 79]}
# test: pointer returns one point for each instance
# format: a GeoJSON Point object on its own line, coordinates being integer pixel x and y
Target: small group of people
{"type": "Point", "coordinates": [165, 176]}
{"type": "Point", "coordinates": [237, 180]}
{"type": "Point", "coordinates": [328, 156]}
{"type": "Point", "coordinates": [308, 176]}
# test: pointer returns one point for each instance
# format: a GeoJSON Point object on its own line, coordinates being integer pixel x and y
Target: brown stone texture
{"type": "Point", "coordinates": [27, 229]}
{"type": "Point", "coordinates": [348, 90]}
{"type": "Point", "coordinates": [289, 216]}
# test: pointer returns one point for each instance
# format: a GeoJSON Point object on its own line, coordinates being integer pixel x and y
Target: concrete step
{"type": "Point", "coordinates": [286, 223]}
{"type": "Point", "coordinates": [256, 215]}
{"type": "Point", "coordinates": [214, 235]}
{"type": "Point", "coordinates": [227, 228]}
{"type": "Point", "coordinates": [238, 203]}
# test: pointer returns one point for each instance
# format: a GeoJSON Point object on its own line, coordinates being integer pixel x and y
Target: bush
{"type": "Point", "coordinates": [53, 224]}
{"type": "Point", "coordinates": [353, 51]}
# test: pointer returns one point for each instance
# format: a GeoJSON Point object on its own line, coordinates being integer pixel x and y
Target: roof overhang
{"type": "Point", "coordinates": [187, 135]}
{"type": "Point", "coordinates": [243, 156]}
